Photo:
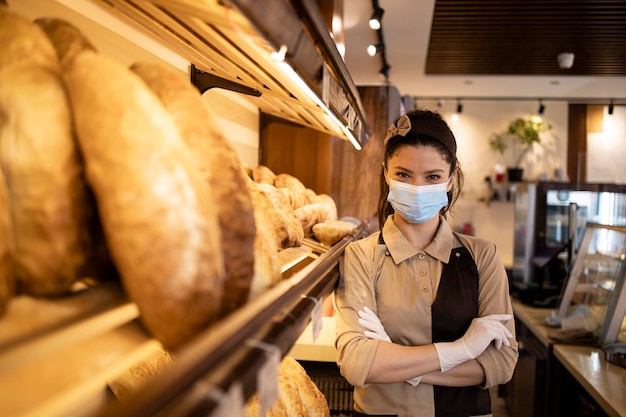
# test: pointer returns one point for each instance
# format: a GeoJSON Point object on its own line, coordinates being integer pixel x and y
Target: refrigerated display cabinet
{"type": "Point", "coordinates": [594, 297]}
{"type": "Point", "coordinates": [550, 218]}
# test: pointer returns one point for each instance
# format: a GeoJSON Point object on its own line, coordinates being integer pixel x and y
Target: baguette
{"type": "Point", "coordinates": [158, 216]}
{"type": "Point", "coordinates": [47, 191]}
{"type": "Point", "coordinates": [219, 165]}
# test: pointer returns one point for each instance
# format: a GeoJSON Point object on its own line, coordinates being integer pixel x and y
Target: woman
{"type": "Point", "coordinates": [423, 314]}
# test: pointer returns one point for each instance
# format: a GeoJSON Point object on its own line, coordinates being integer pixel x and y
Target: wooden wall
{"type": "Point", "coordinates": [331, 165]}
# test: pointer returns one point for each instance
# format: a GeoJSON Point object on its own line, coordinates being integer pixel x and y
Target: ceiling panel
{"type": "Point", "coordinates": [523, 37]}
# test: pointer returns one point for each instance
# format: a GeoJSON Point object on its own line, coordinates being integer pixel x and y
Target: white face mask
{"type": "Point", "coordinates": [417, 203]}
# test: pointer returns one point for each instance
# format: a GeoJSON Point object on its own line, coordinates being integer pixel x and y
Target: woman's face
{"type": "Point", "coordinates": [418, 165]}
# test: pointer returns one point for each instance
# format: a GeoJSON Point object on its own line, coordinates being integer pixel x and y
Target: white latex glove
{"type": "Point", "coordinates": [481, 332]}
{"type": "Point", "coordinates": [374, 330]}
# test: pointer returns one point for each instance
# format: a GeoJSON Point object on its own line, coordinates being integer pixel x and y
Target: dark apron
{"type": "Point", "coordinates": [452, 312]}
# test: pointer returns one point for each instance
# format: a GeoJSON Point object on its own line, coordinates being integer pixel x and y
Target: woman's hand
{"type": "Point", "coordinates": [481, 332]}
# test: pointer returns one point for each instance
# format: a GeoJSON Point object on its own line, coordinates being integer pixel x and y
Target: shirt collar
{"type": "Point", "coordinates": [400, 249]}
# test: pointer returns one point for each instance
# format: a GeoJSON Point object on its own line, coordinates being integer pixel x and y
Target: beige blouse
{"type": "Point", "coordinates": [400, 284]}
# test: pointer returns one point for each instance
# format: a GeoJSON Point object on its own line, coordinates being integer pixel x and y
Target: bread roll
{"type": "Point", "coordinates": [7, 274]}
{"type": "Point", "coordinates": [23, 42]}
{"type": "Point", "coordinates": [263, 175]}
{"type": "Point", "coordinates": [220, 166]}
{"type": "Point", "coordinates": [297, 190]}
{"type": "Point", "coordinates": [331, 232]}
{"type": "Point", "coordinates": [329, 204]}
{"type": "Point", "coordinates": [67, 39]}
{"type": "Point", "coordinates": [158, 215]}
{"type": "Point", "coordinates": [48, 194]}
{"type": "Point", "coordinates": [310, 215]}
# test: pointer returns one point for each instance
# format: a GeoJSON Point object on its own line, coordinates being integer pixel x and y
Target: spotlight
{"type": "Point", "coordinates": [373, 49]}
{"type": "Point", "coordinates": [459, 107]}
{"type": "Point", "coordinates": [542, 108]}
{"type": "Point", "coordinates": [611, 107]}
{"type": "Point", "coordinates": [375, 20]}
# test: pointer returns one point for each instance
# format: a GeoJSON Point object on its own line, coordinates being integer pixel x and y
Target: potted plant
{"type": "Point", "coordinates": [521, 135]}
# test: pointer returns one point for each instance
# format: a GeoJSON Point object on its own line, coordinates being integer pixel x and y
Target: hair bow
{"type": "Point", "coordinates": [401, 128]}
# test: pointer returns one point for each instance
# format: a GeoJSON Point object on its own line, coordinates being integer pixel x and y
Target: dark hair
{"type": "Point", "coordinates": [422, 121]}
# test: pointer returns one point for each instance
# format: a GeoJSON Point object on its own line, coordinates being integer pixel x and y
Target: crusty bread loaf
{"type": "Point", "coordinates": [7, 274]}
{"type": "Point", "coordinates": [263, 175]}
{"type": "Point", "coordinates": [331, 232]}
{"type": "Point", "coordinates": [141, 372]}
{"type": "Point", "coordinates": [67, 39]}
{"type": "Point", "coordinates": [157, 213]}
{"type": "Point", "coordinates": [298, 396]}
{"type": "Point", "coordinates": [313, 400]}
{"type": "Point", "coordinates": [220, 166]}
{"type": "Point", "coordinates": [267, 267]}
{"type": "Point", "coordinates": [288, 228]}
{"type": "Point", "coordinates": [48, 194]}
{"type": "Point", "coordinates": [23, 42]}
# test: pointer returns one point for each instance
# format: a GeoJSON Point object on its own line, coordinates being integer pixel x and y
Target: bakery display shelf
{"type": "Point", "coordinates": [240, 44]}
{"type": "Point", "coordinates": [59, 356]}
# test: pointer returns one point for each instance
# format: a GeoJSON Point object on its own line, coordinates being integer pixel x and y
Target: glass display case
{"type": "Point", "coordinates": [550, 219]}
{"type": "Point", "coordinates": [594, 297]}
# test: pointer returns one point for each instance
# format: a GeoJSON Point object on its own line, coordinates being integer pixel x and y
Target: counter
{"type": "Point", "coordinates": [556, 367]}
{"type": "Point", "coordinates": [604, 381]}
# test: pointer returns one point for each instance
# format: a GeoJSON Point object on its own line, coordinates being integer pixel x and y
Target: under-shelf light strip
{"type": "Point", "coordinates": [279, 57]}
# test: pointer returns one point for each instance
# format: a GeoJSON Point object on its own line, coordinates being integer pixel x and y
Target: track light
{"type": "Point", "coordinates": [459, 107]}
{"type": "Point", "coordinates": [377, 17]}
{"type": "Point", "coordinates": [373, 49]}
{"type": "Point", "coordinates": [611, 107]}
{"type": "Point", "coordinates": [384, 71]}
{"type": "Point", "coordinates": [541, 108]}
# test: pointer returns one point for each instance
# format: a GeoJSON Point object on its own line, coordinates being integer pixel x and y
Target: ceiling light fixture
{"type": "Point", "coordinates": [611, 107]}
{"type": "Point", "coordinates": [541, 108]}
{"type": "Point", "coordinates": [565, 60]}
{"type": "Point", "coordinates": [373, 49]}
{"type": "Point", "coordinates": [384, 71]}
{"type": "Point", "coordinates": [376, 19]}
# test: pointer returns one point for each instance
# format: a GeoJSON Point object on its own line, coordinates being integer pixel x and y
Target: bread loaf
{"type": "Point", "coordinates": [220, 166]}
{"type": "Point", "coordinates": [298, 395]}
{"type": "Point", "coordinates": [287, 227]}
{"type": "Point", "coordinates": [267, 267]}
{"type": "Point", "coordinates": [48, 194]}
{"type": "Point", "coordinates": [23, 42]}
{"type": "Point", "coordinates": [157, 213]}
{"type": "Point", "coordinates": [67, 39]}
{"type": "Point", "coordinates": [7, 275]}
